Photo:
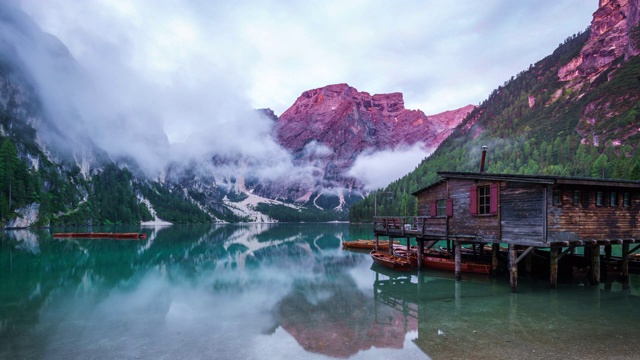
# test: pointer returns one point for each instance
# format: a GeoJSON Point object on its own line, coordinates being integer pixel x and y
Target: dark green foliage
{"type": "Point", "coordinates": [236, 196]}
{"type": "Point", "coordinates": [19, 186]}
{"type": "Point", "coordinates": [546, 138]}
{"type": "Point", "coordinates": [327, 202]}
{"type": "Point", "coordinates": [173, 206]}
{"type": "Point", "coordinates": [287, 214]}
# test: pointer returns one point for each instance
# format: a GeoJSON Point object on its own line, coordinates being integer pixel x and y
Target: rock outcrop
{"type": "Point", "coordinates": [610, 39]}
{"type": "Point", "coordinates": [336, 123]}
{"type": "Point", "coordinates": [27, 216]}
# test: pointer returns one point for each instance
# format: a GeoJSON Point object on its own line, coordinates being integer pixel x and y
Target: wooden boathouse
{"type": "Point", "coordinates": [527, 213]}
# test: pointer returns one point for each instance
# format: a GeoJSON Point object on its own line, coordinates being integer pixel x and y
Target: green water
{"type": "Point", "coordinates": [284, 292]}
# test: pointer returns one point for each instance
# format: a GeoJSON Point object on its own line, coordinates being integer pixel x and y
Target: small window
{"type": "Point", "coordinates": [576, 197]}
{"type": "Point", "coordinates": [441, 208]}
{"type": "Point", "coordinates": [484, 200]}
{"type": "Point", "coordinates": [599, 198]}
{"type": "Point", "coordinates": [613, 199]}
{"type": "Point", "coordinates": [626, 199]}
{"type": "Point", "coordinates": [556, 197]}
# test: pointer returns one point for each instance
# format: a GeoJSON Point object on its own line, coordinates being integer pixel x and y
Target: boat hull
{"type": "Point", "coordinates": [446, 264]}
{"type": "Point", "coordinates": [391, 261]}
{"type": "Point", "coordinates": [130, 236]}
{"type": "Point", "coordinates": [365, 244]}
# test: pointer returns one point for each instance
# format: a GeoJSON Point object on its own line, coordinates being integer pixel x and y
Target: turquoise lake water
{"type": "Point", "coordinates": [285, 291]}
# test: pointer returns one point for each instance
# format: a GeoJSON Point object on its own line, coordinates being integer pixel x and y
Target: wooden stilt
{"type": "Point", "coordinates": [625, 266]}
{"type": "Point", "coordinates": [553, 266]}
{"type": "Point", "coordinates": [408, 248]}
{"type": "Point", "coordinates": [595, 264]}
{"type": "Point", "coordinates": [376, 243]}
{"type": "Point", "coordinates": [528, 262]}
{"type": "Point", "coordinates": [420, 252]}
{"type": "Point", "coordinates": [607, 251]}
{"type": "Point", "coordinates": [390, 245]}
{"type": "Point", "coordinates": [513, 267]}
{"type": "Point", "coordinates": [458, 261]}
{"type": "Point", "coordinates": [495, 249]}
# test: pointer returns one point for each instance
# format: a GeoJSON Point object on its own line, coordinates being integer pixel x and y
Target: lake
{"type": "Point", "coordinates": [284, 291]}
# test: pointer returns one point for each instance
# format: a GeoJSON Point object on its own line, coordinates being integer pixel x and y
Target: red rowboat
{"type": "Point", "coordinates": [450, 265]}
{"type": "Point", "coordinates": [102, 235]}
{"type": "Point", "coordinates": [391, 261]}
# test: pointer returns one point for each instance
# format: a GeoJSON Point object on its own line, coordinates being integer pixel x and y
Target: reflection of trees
{"type": "Point", "coordinates": [36, 268]}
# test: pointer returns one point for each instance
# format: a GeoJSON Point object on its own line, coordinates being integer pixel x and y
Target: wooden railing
{"type": "Point", "coordinates": [410, 225]}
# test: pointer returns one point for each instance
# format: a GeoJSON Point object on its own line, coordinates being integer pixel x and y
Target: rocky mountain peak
{"type": "Point", "coordinates": [334, 124]}
{"type": "Point", "coordinates": [609, 40]}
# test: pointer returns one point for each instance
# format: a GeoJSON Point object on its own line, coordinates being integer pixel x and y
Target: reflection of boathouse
{"type": "Point", "coordinates": [527, 213]}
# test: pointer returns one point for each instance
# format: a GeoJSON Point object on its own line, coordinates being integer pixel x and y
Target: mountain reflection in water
{"type": "Point", "coordinates": [269, 291]}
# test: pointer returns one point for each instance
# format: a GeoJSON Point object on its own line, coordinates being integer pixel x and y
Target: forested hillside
{"type": "Point", "coordinates": [63, 197]}
{"type": "Point", "coordinates": [534, 124]}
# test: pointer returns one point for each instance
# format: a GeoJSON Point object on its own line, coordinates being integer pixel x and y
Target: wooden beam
{"type": "Point", "coordinates": [625, 260]}
{"type": "Point", "coordinates": [458, 261]}
{"type": "Point", "coordinates": [634, 249]}
{"type": "Point", "coordinates": [595, 265]}
{"type": "Point", "coordinates": [495, 249]}
{"type": "Point", "coordinates": [553, 265]}
{"type": "Point", "coordinates": [420, 252]}
{"type": "Point", "coordinates": [524, 253]}
{"type": "Point", "coordinates": [566, 251]}
{"type": "Point", "coordinates": [513, 268]}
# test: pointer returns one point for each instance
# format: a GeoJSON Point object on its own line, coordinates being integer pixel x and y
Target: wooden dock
{"type": "Point", "coordinates": [525, 213]}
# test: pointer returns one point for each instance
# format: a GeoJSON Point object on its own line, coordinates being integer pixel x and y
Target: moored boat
{"type": "Point", "coordinates": [390, 261]}
{"type": "Point", "coordinates": [365, 244]}
{"type": "Point", "coordinates": [102, 235]}
{"type": "Point", "coordinates": [440, 263]}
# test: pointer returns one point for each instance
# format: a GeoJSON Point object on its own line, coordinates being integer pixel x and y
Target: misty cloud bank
{"type": "Point", "coordinates": [184, 116]}
{"type": "Point", "coordinates": [377, 170]}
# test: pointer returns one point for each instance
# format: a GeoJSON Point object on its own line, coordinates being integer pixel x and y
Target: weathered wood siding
{"type": "Point", "coordinates": [522, 212]}
{"type": "Point", "coordinates": [587, 221]}
{"type": "Point", "coordinates": [425, 198]}
{"type": "Point", "coordinates": [486, 228]}
{"type": "Point", "coordinates": [433, 226]}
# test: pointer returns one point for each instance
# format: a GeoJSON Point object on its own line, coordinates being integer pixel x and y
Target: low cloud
{"type": "Point", "coordinates": [378, 169]}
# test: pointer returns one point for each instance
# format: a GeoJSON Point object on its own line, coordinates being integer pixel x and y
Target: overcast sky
{"type": "Point", "coordinates": [441, 54]}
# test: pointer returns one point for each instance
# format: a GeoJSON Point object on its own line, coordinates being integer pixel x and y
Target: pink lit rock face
{"type": "Point", "coordinates": [610, 39]}
{"type": "Point", "coordinates": [346, 123]}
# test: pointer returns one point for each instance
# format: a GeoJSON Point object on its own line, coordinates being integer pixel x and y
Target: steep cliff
{"type": "Point", "coordinates": [337, 123]}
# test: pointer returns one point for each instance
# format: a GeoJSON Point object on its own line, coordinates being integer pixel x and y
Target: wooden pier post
{"type": "Point", "coordinates": [528, 263]}
{"type": "Point", "coordinates": [513, 267]}
{"type": "Point", "coordinates": [390, 245]}
{"type": "Point", "coordinates": [495, 249]}
{"type": "Point", "coordinates": [595, 264]}
{"type": "Point", "coordinates": [553, 266]}
{"type": "Point", "coordinates": [420, 252]}
{"type": "Point", "coordinates": [376, 247]}
{"type": "Point", "coordinates": [458, 261]}
{"type": "Point", "coordinates": [625, 265]}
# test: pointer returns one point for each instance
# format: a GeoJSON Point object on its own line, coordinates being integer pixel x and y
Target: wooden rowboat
{"type": "Point", "coordinates": [391, 261]}
{"type": "Point", "coordinates": [447, 264]}
{"type": "Point", "coordinates": [365, 244]}
{"type": "Point", "coordinates": [102, 235]}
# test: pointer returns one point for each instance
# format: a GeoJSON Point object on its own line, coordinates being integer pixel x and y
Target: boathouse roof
{"type": "Point", "coordinates": [535, 179]}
